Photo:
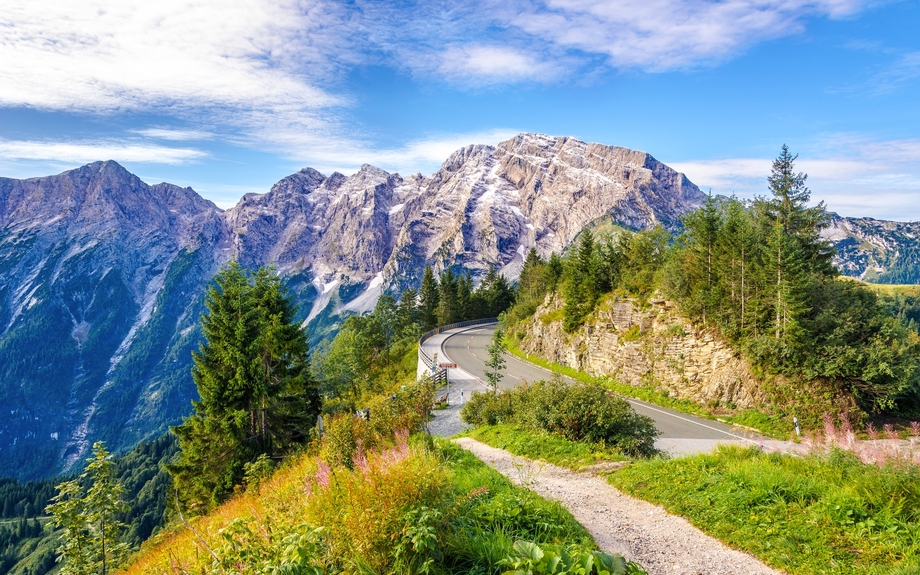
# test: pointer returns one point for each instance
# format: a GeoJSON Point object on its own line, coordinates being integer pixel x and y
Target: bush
{"type": "Point", "coordinates": [404, 410]}
{"type": "Point", "coordinates": [585, 412]}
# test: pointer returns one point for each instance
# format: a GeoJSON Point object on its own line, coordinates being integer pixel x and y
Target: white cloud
{"type": "Point", "coordinates": [174, 135]}
{"type": "Point", "coordinates": [853, 175]}
{"type": "Point", "coordinates": [491, 41]}
{"type": "Point", "coordinates": [903, 70]}
{"type": "Point", "coordinates": [667, 34]}
{"type": "Point", "coordinates": [424, 155]}
{"type": "Point", "coordinates": [88, 151]}
{"type": "Point", "coordinates": [175, 56]}
{"type": "Point", "coordinates": [493, 63]}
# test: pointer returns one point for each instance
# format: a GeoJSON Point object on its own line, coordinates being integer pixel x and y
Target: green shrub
{"type": "Point", "coordinates": [585, 412]}
{"type": "Point", "coordinates": [405, 410]}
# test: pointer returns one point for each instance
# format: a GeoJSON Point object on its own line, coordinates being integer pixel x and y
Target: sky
{"type": "Point", "coordinates": [230, 97]}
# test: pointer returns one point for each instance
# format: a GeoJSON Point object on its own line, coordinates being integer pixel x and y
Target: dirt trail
{"type": "Point", "coordinates": [640, 531]}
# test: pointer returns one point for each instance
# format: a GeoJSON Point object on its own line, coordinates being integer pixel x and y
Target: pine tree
{"type": "Point", "coordinates": [581, 281]}
{"type": "Point", "coordinates": [703, 227]}
{"type": "Point", "coordinates": [738, 250]}
{"type": "Point", "coordinates": [448, 309]}
{"type": "Point", "coordinates": [495, 295]}
{"type": "Point", "coordinates": [257, 395]}
{"type": "Point", "coordinates": [553, 272]}
{"type": "Point", "coordinates": [464, 297]}
{"type": "Point", "coordinates": [496, 362]}
{"type": "Point", "coordinates": [428, 300]}
{"type": "Point", "coordinates": [532, 283]}
{"type": "Point", "coordinates": [407, 314]}
{"type": "Point", "coordinates": [795, 247]}
{"type": "Point", "coordinates": [90, 539]}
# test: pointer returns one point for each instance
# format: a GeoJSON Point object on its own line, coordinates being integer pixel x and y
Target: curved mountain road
{"type": "Point", "coordinates": [680, 433]}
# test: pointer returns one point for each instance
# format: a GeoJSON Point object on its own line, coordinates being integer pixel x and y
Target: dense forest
{"type": "Point", "coordinates": [759, 274]}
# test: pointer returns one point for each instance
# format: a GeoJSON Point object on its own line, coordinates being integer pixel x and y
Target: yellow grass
{"type": "Point", "coordinates": [282, 498]}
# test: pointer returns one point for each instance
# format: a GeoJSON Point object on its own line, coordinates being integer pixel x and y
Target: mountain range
{"type": "Point", "coordinates": [102, 275]}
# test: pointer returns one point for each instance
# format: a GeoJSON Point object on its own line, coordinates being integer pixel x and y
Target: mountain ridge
{"type": "Point", "coordinates": [108, 272]}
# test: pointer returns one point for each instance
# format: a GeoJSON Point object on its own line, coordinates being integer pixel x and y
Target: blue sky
{"type": "Point", "coordinates": [229, 99]}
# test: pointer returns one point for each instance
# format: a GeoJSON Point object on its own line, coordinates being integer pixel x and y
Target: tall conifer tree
{"type": "Point", "coordinates": [428, 300]}
{"type": "Point", "coordinates": [256, 392]}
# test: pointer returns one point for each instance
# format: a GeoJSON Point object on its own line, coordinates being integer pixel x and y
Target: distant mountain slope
{"type": "Point", "coordinates": [876, 250]}
{"type": "Point", "coordinates": [102, 275]}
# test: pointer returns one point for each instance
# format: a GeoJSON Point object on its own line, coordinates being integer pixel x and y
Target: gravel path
{"type": "Point", "coordinates": [446, 422]}
{"type": "Point", "coordinates": [640, 531]}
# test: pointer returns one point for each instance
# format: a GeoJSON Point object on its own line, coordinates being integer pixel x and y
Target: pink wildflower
{"type": "Point", "coordinates": [323, 473]}
{"type": "Point", "coordinates": [360, 457]}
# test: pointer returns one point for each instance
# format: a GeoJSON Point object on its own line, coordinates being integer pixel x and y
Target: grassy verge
{"type": "Point", "coordinates": [751, 418]}
{"type": "Point", "coordinates": [806, 515]}
{"type": "Point", "coordinates": [544, 446]}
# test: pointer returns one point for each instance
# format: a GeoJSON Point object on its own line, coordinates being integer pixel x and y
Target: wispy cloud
{"type": "Point", "coordinates": [174, 57]}
{"type": "Point", "coordinates": [83, 152]}
{"type": "Point", "coordinates": [853, 175]}
{"type": "Point", "coordinates": [666, 34]}
{"type": "Point", "coordinates": [273, 75]}
{"type": "Point", "coordinates": [904, 69]}
{"type": "Point", "coordinates": [493, 64]}
{"type": "Point", "coordinates": [174, 135]}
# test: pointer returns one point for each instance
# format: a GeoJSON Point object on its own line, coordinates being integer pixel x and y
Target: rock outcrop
{"type": "Point", "coordinates": [649, 345]}
{"type": "Point", "coordinates": [652, 345]}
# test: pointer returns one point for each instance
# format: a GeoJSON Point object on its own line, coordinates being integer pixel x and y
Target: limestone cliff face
{"type": "Point", "coordinates": [653, 345]}
{"type": "Point", "coordinates": [647, 346]}
{"type": "Point", "coordinates": [356, 236]}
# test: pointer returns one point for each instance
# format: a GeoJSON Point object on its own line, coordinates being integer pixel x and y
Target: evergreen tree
{"type": "Point", "coordinates": [253, 378]}
{"type": "Point", "coordinates": [428, 300]}
{"type": "Point", "coordinates": [448, 308]}
{"type": "Point", "coordinates": [553, 272]}
{"type": "Point", "coordinates": [738, 249]}
{"type": "Point", "coordinates": [381, 327]}
{"type": "Point", "coordinates": [795, 248]}
{"type": "Point", "coordinates": [532, 283]}
{"type": "Point", "coordinates": [90, 540]}
{"type": "Point", "coordinates": [495, 295]}
{"type": "Point", "coordinates": [496, 362]}
{"type": "Point", "coordinates": [465, 298]}
{"type": "Point", "coordinates": [407, 314]}
{"type": "Point", "coordinates": [581, 282]}
{"type": "Point", "coordinates": [702, 226]}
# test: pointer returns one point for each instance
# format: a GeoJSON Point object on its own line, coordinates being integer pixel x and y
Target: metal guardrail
{"type": "Point", "coordinates": [427, 360]}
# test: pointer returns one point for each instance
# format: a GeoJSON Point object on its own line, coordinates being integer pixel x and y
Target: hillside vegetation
{"type": "Point", "coordinates": [366, 499]}
{"type": "Point", "coordinates": [28, 539]}
{"type": "Point", "coordinates": [759, 276]}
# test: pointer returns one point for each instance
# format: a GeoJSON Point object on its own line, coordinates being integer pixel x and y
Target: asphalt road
{"type": "Point", "coordinates": [468, 350]}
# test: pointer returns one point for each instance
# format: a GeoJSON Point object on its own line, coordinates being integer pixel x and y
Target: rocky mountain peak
{"type": "Point", "coordinates": [118, 266]}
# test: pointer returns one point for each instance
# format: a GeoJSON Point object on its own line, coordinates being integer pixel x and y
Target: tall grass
{"type": "Point", "coordinates": [402, 508]}
{"type": "Point", "coordinates": [821, 512]}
